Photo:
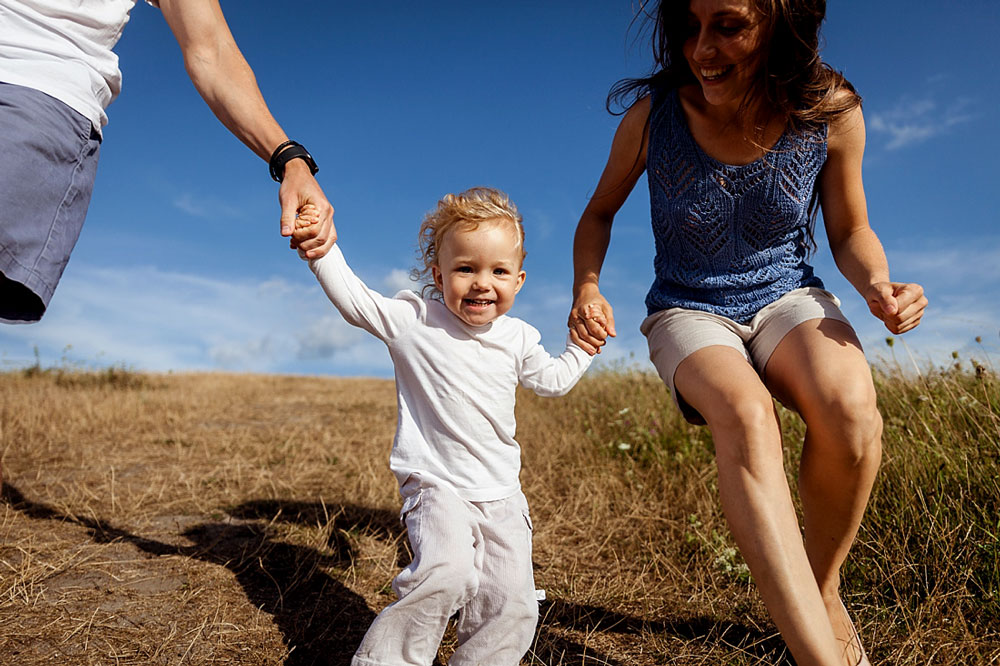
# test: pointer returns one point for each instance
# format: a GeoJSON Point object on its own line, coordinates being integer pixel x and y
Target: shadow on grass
{"type": "Point", "coordinates": [738, 637]}
{"type": "Point", "coordinates": [345, 520]}
{"type": "Point", "coordinates": [322, 621]}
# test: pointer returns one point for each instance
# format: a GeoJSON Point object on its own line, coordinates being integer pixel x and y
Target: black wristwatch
{"type": "Point", "coordinates": [287, 151]}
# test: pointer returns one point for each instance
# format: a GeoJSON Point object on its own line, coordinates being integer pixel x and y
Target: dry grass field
{"type": "Point", "coordinates": [234, 519]}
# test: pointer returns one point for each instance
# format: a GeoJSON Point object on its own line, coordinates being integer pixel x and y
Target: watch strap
{"type": "Point", "coordinates": [284, 153]}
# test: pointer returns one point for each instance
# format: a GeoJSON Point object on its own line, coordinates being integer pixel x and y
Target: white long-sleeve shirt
{"type": "Point", "coordinates": [455, 383]}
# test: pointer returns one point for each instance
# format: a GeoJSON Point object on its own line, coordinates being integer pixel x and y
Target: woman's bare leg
{"type": "Point", "coordinates": [820, 371]}
{"type": "Point", "coordinates": [725, 389]}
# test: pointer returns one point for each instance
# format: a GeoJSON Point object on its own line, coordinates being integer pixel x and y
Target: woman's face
{"type": "Point", "coordinates": [722, 48]}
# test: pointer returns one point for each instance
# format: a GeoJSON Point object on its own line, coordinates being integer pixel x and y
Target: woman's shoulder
{"type": "Point", "coordinates": [639, 111]}
{"type": "Point", "coordinates": [632, 126]}
{"type": "Point", "coordinates": [846, 130]}
{"type": "Point", "coordinates": [668, 95]}
{"type": "Point", "coordinates": [838, 108]}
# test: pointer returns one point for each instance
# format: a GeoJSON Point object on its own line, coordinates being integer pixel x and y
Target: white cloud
{"type": "Point", "coordinates": [208, 208]}
{"type": "Point", "coordinates": [325, 337]}
{"type": "Point", "coordinates": [150, 319]}
{"type": "Point", "coordinates": [246, 354]}
{"type": "Point", "coordinates": [398, 280]}
{"type": "Point", "coordinates": [974, 264]}
{"type": "Point", "coordinates": [960, 279]}
{"type": "Point", "coordinates": [913, 121]}
{"type": "Point", "coordinates": [539, 226]}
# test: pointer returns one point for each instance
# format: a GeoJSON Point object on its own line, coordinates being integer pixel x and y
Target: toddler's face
{"type": "Point", "coordinates": [479, 272]}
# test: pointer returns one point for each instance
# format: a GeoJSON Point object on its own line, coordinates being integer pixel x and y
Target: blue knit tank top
{"type": "Point", "coordinates": [729, 239]}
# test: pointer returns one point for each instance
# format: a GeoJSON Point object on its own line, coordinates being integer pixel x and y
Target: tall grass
{"type": "Point", "coordinates": [924, 576]}
{"type": "Point", "coordinates": [930, 554]}
{"type": "Point", "coordinates": [228, 519]}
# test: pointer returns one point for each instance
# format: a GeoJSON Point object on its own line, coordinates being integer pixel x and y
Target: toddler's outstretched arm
{"type": "Point", "coordinates": [383, 317]}
{"type": "Point", "coordinates": [548, 376]}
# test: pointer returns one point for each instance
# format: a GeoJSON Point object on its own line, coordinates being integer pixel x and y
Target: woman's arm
{"type": "Point", "coordinates": [591, 319]}
{"type": "Point", "coordinates": [855, 247]}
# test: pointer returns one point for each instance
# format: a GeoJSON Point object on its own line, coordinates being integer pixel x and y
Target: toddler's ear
{"type": "Point", "coordinates": [438, 278]}
{"type": "Point", "coordinates": [520, 281]}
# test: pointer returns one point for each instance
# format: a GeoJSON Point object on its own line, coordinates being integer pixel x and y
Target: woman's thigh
{"type": "Point", "coordinates": [820, 370]}
{"type": "Point", "coordinates": [720, 384]}
{"type": "Point", "coordinates": [677, 335]}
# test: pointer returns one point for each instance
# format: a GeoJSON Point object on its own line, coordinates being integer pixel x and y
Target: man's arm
{"type": "Point", "coordinates": [228, 85]}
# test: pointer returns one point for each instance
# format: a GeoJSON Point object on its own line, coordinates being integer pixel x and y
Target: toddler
{"type": "Point", "coordinates": [458, 359]}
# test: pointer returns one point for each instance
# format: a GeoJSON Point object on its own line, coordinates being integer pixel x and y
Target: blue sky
{"type": "Point", "coordinates": [180, 265]}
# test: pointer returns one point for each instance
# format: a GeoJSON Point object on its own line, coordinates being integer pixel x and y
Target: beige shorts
{"type": "Point", "coordinates": [675, 334]}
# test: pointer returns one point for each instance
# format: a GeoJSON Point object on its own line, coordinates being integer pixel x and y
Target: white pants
{"type": "Point", "coordinates": [473, 558]}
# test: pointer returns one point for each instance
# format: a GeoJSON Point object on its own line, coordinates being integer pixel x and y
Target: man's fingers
{"type": "Point", "coordinates": [321, 248]}
{"type": "Point", "coordinates": [287, 220]}
{"type": "Point", "coordinates": [314, 232]}
{"type": "Point", "coordinates": [309, 232]}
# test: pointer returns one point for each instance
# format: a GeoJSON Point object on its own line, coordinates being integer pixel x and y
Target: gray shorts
{"type": "Point", "coordinates": [48, 162]}
{"type": "Point", "coordinates": [675, 334]}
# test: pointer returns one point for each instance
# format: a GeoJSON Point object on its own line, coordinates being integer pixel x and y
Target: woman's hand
{"type": "Point", "coordinates": [900, 305]}
{"type": "Point", "coordinates": [591, 321]}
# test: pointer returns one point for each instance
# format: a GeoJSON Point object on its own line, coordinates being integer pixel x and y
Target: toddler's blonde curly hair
{"type": "Point", "coordinates": [465, 211]}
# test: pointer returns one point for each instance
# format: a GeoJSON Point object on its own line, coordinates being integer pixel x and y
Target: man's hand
{"type": "Point", "coordinates": [300, 190]}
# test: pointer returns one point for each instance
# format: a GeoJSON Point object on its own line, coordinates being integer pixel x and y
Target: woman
{"type": "Point", "coordinates": [745, 132]}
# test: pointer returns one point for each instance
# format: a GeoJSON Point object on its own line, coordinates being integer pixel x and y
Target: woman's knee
{"type": "Point", "coordinates": [747, 435]}
{"type": "Point", "coordinates": [849, 423]}
{"type": "Point", "coordinates": [746, 415]}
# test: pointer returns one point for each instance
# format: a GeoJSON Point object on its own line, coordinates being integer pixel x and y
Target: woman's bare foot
{"type": "Point", "coordinates": [847, 635]}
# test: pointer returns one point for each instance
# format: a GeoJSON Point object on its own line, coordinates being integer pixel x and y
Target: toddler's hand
{"type": "Point", "coordinates": [305, 220]}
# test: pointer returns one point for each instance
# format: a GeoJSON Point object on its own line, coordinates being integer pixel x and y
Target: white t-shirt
{"type": "Point", "coordinates": [63, 48]}
{"type": "Point", "coordinates": [455, 383]}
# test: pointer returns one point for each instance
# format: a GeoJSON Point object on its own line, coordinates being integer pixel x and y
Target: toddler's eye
{"type": "Point", "coordinates": [500, 271]}
{"type": "Point", "coordinates": [464, 269]}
